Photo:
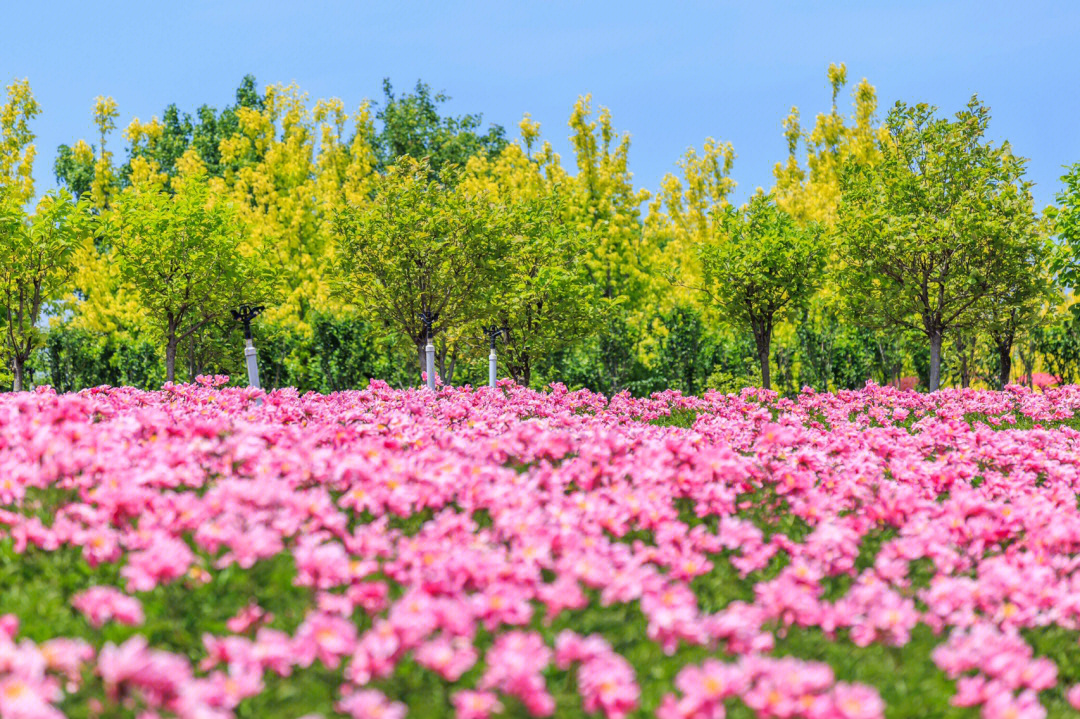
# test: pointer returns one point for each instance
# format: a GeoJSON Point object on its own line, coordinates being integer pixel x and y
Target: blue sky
{"type": "Point", "coordinates": [672, 73]}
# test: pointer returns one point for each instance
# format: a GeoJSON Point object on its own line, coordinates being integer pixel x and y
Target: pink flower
{"type": "Point", "coordinates": [1073, 696]}
{"type": "Point", "coordinates": [370, 704]}
{"type": "Point", "coordinates": [1005, 706]}
{"type": "Point", "coordinates": [475, 705]}
{"type": "Point", "coordinates": [247, 618]}
{"type": "Point", "coordinates": [450, 658]}
{"type": "Point", "coordinates": [103, 604]}
{"type": "Point", "coordinates": [855, 701]}
{"type": "Point", "coordinates": [328, 637]}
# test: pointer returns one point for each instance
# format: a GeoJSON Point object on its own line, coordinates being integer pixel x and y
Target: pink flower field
{"type": "Point", "coordinates": [210, 552]}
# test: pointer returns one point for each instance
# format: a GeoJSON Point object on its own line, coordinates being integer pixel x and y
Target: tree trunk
{"type": "Point", "coordinates": [1028, 360]}
{"type": "Point", "coordinates": [1004, 348]}
{"type": "Point", "coordinates": [422, 355]}
{"type": "Point", "coordinates": [17, 371]}
{"type": "Point", "coordinates": [763, 338]}
{"type": "Point", "coordinates": [966, 360]}
{"type": "Point", "coordinates": [192, 367]}
{"type": "Point", "coordinates": [170, 359]}
{"type": "Point", "coordinates": [935, 360]}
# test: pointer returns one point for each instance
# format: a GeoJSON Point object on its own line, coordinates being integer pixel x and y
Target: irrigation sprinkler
{"type": "Point", "coordinates": [427, 317]}
{"type": "Point", "coordinates": [245, 314]}
{"type": "Point", "coordinates": [493, 334]}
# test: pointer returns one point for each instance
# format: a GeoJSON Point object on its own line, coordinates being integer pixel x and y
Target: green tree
{"type": "Point", "coordinates": [165, 141]}
{"type": "Point", "coordinates": [413, 127]}
{"type": "Point", "coordinates": [418, 246]}
{"type": "Point", "coordinates": [536, 296]}
{"type": "Point", "coordinates": [1066, 261]}
{"type": "Point", "coordinates": [181, 257]}
{"type": "Point", "coordinates": [940, 224]}
{"type": "Point", "coordinates": [35, 267]}
{"type": "Point", "coordinates": [761, 264]}
{"type": "Point", "coordinates": [683, 352]}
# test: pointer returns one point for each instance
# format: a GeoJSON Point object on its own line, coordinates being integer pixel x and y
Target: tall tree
{"type": "Point", "coordinates": [412, 126]}
{"type": "Point", "coordinates": [35, 251]}
{"type": "Point", "coordinates": [536, 297]}
{"type": "Point", "coordinates": [163, 142]}
{"type": "Point", "coordinates": [940, 224]}
{"type": "Point", "coordinates": [417, 247]}
{"type": "Point", "coordinates": [181, 256]}
{"type": "Point", "coordinates": [760, 264]}
{"type": "Point", "coordinates": [35, 267]}
{"type": "Point", "coordinates": [605, 204]}
{"type": "Point", "coordinates": [682, 216]}
{"type": "Point", "coordinates": [17, 149]}
{"type": "Point", "coordinates": [1066, 260]}
{"type": "Point", "coordinates": [812, 193]}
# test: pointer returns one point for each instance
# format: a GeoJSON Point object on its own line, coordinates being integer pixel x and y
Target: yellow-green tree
{"type": "Point", "coordinates": [941, 226]}
{"type": "Point", "coordinates": [17, 150]}
{"type": "Point", "coordinates": [536, 296]}
{"type": "Point", "coordinates": [758, 266]}
{"type": "Point", "coordinates": [685, 212]}
{"type": "Point", "coordinates": [812, 193]}
{"type": "Point", "coordinates": [419, 247]}
{"type": "Point", "coordinates": [36, 255]}
{"type": "Point", "coordinates": [181, 256]}
{"type": "Point", "coordinates": [604, 204]}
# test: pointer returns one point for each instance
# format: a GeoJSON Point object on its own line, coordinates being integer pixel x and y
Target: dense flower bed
{"type": "Point", "coordinates": [212, 552]}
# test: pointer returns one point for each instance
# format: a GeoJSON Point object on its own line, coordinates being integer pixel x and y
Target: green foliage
{"type": "Point", "coordinates": [1059, 343]}
{"type": "Point", "coordinates": [926, 197]}
{"type": "Point", "coordinates": [418, 247]}
{"type": "Point", "coordinates": [833, 354]}
{"type": "Point", "coordinates": [181, 257]}
{"type": "Point", "coordinates": [36, 263]}
{"type": "Point", "coordinates": [1066, 263]}
{"type": "Point", "coordinates": [342, 352]}
{"type": "Point", "coordinates": [942, 223]}
{"type": "Point", "coordinates": [684, 418]}
{"type": "Point", "coordinates": [73, 359]}
{"type": "Point", "coordinates": [412, 127]}
{"type": "Point", "coordinates": [763, 264]}
{"type": "Point", "coordinates": [164, 142]}
{"type": "Point", "coordinates": [535, 295]}
{"type": "Point", "coordinates": [684, 353]}
{"type": "Point", "coordinates": [74, 169]}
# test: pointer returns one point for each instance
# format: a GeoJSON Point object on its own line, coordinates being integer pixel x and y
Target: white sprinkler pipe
{"type": "Point", "coordinates": [252, 364]}
{"type": "Point", "coordinates": [430, 365]}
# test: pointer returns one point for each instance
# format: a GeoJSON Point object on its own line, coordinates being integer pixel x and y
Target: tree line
{"type": "Point", "coordinates": [906, 246]}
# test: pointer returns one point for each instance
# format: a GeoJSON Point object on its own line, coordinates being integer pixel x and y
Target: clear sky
{"type": "Point", "coordinates": [672, 73]}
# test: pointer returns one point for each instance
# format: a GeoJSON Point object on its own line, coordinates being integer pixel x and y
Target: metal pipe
{"type": "Point", "coordinates": [430, 349]}
{"type": "Point", "coordinates": [252, 364]}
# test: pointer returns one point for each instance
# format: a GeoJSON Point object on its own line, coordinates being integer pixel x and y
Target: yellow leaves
{"type": "Point", "coordinates": [145, 134]}
{"type": "Point", "coordinates": [105, 114]}
{"type": "Point", "coordinates": [530, 132]}
{"type": "Point", "coordinates": [17, 150]}
{"type": "Point", "coordinates": [190, 165]}
{"type": "Point", "coordinates": [837, 79]}
{"type": "Point", "coordinates": [812, 194]}
{"type": "Point", "coordinates": [146, 173]}
{"type": "Point", "coordinates": [682, 216]}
